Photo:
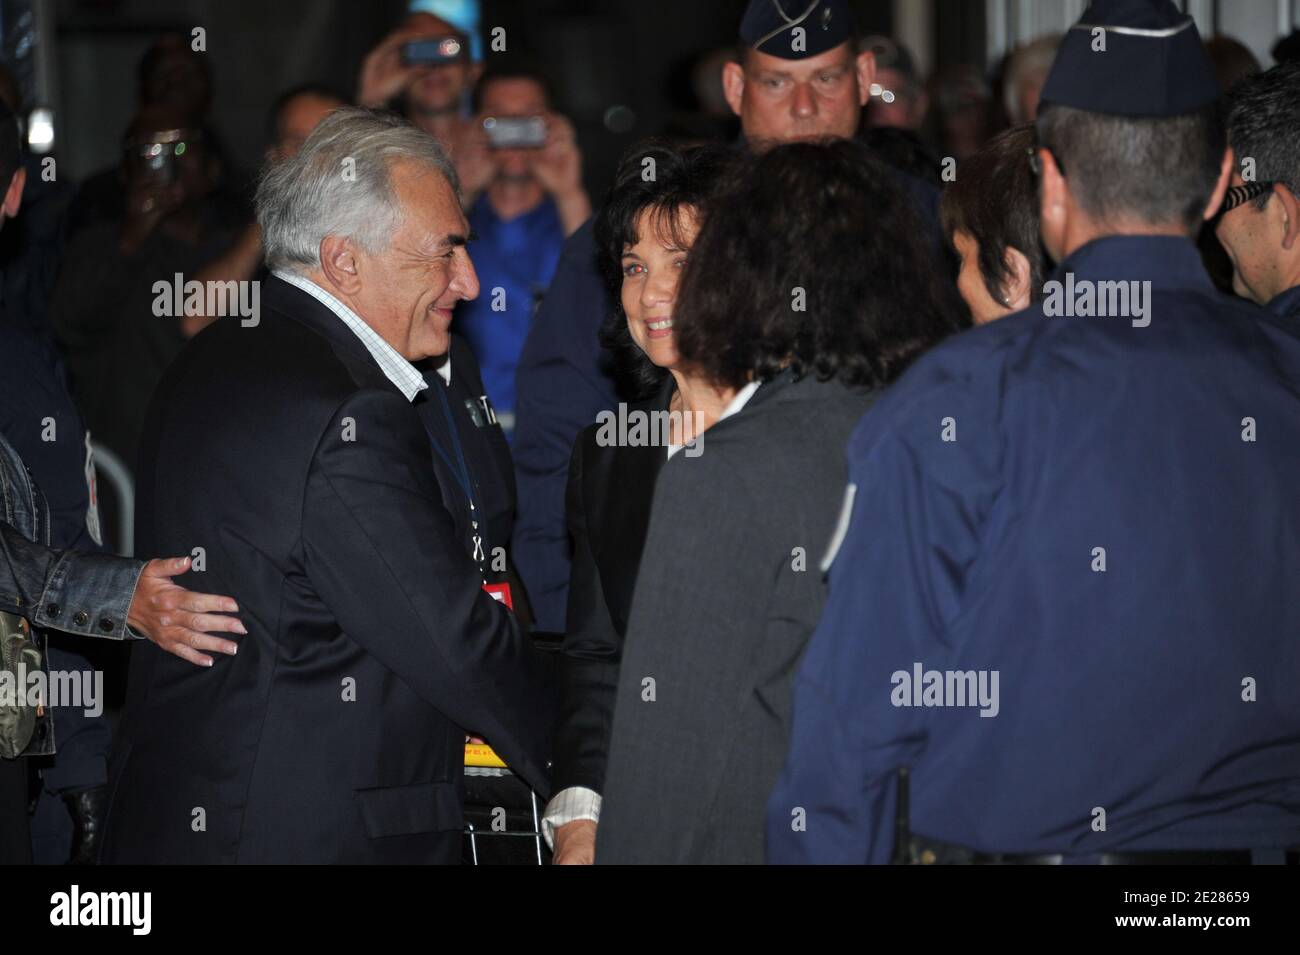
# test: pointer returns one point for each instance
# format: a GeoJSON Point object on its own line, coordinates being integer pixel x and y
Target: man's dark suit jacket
{"type": "Point", "coordinates": [728, 593]}
{"type": "Point", "coordinates": [337, 732]}
{"type": "Point", "coordinates": [608, 507]}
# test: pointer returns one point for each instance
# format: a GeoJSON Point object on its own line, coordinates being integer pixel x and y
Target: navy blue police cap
{"type": "Point", "coordinates": [1132, 58]}
{"type": "Point", "coordinates": [769, 26]}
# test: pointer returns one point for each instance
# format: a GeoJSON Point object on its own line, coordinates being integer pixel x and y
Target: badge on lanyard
{"type": "Point", "coordinates": [500, 593]}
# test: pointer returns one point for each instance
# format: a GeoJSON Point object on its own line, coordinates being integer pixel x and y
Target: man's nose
{"type": "Point", "coordinates": [465, 281]}
{"type": "Point", "coordinates": [804, 103]}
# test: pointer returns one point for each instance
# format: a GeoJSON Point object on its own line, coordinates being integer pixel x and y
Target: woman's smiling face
{"type": "Point", "coordinates": [652, 271]}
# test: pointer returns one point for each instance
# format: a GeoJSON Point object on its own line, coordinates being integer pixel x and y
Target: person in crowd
{"type": "Point", "coordinates": [42, 425]}
{"type": "Point", "coordinates": [1287, 48]}
{"type": "Point", "coordinates": [990, 218]}
{"type": "Point", "coordinates": [119, 333]}
{"type": "Point", "coordinates": [435, 95]}
{"type": "Point", "coordinates": [897, 112]}
{"type": "Point", "coordinates": [174, 76]}
{"type": "Point", "coordinates": [907, 101]}
{"type": "Point", "coordinates": [964, 112]}
{"type": "Point", "coordinates": [295, 113]}
{"type": "Point", "coordinates": [1232, 60]}
{"type": "Point", "coordinates": [1259, 224]}
{"type": "Point", "coordinates": [337, 734]}
{"type": "Point", "coordinates": [783, 89]}
{"type": "Point", "coordinates": [798, 316]}
{"type": "Point", "coordinates": [645, 230]}
{"type": "Point", "coordinates": [1023, 77]}
{"type": "Point", "coordinates": [89, 595]}
{"type": "Point", "coordinates": [1050, 638]}
{"type": "Point", "coordinates": [532, 200]}
{"type": "Point", "coordinates": [491, 481]}
{"type": "Point", "coordinates": [32, 247]}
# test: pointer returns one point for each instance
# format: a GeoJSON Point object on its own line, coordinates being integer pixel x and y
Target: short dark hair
{"type": "Point", "coordinates": [685, 180]}
{"type": "Point", "coordinates": [1157, 170]}
{"type": "Point", "coordinates": [523, 68]}
{"type": "Point", "coordinates": [826, 223]}
{"type": "Point", "coordinates": [994, 199]}
{"type": "Point", "coordinates": [318, 90]}
{"type": "Point", "coordinates": [1264, 125]}
{"type": "Point", "coordinates": [11, 149]}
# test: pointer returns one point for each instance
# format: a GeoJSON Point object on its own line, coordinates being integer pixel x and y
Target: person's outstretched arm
{"type": "Point", "coordinates": [102, 595]}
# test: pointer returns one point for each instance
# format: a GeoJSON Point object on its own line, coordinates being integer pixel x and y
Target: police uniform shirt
{"type": "Point", "coordinates": [1098, 521]}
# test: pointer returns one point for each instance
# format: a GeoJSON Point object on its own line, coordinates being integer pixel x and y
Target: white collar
{"type": "Point", "coordinates": [404, 376]}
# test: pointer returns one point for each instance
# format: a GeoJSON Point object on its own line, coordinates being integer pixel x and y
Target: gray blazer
{"type": "Point", "coordinates": [728, 594]}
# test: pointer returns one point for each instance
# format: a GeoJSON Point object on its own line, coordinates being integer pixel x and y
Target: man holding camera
{"type": "Point", "coordinates": [520, 172]}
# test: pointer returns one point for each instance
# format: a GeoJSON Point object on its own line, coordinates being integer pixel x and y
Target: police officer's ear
{"type": "Point", "coordinates": [14, 194]}
{"type": "Point", "coordinates": [865, 67]}
{"type": "Point", "coordinates": [1054, 204]}
{"type": "Point", "coordinates": [1289, 210]}
{"type": "Point", "coordinates": [733, 84]}
{"type": "Point", "coordinates": [1220, 187]}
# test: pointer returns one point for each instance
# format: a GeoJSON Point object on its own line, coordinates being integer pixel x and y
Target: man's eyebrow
{"type": "Point", "coordinates": [455, 239]}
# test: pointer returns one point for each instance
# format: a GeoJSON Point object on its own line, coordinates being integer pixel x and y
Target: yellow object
{"type": "Point", "coordinates": [481, 754]}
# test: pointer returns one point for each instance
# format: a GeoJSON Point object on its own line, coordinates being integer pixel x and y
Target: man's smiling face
{"type": "Point", "coordinates": [409, 290]}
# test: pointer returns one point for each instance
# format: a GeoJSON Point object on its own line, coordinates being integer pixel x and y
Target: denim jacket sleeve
{"type": "Point", "coordinates": [67, 590]}
{"type": "Point", "coordinates": [63, 590]}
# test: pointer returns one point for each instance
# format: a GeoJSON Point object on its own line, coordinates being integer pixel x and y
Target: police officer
{"type": "Point", "coordinates": [799, 75]}
{"type": "Point", "coordinates": [1259, 224]}
{"type": "Point", "coordinates": [1062, 622]}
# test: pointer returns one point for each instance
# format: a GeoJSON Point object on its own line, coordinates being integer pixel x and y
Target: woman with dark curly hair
{"type": "Point", "coordinates": [990, 218]}
{"type": "Point", "coordinates": [808, 290]}
{"type": "Point", "coordinates": [643, 235]}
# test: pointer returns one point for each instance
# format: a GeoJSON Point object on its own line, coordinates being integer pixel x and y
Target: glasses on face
{"type": "Point", "coordinates": [1240, 195]}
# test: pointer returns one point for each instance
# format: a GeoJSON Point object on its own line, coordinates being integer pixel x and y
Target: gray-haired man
{"type": "Point", "coordinates": [291, 452]}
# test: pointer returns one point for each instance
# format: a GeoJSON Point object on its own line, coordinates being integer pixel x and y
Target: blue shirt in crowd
{"type": "Point", "coordinates": [515, 260]}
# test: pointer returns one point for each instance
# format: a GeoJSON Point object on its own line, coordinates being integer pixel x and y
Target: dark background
{"type": "Point", "coordinates": [598, 54]}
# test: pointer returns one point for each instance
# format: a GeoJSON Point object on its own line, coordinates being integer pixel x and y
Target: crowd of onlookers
{"type": "Point", "coordinates": [887, 211]}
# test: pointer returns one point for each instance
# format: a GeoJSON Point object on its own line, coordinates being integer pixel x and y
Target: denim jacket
{"type": "Point", "coordinates": [62, 590]}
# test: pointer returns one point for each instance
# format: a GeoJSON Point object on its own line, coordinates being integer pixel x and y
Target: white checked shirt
{"type": "Point", "coordinates": [405, 376]}
{"type": "Point", "coordinates": [579, 802]}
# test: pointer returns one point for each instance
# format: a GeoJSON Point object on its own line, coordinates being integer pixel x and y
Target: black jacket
{"type": "Point", "coordinates": [608, 507]}
{"type": "Point", "coordinates": [337, 732]}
